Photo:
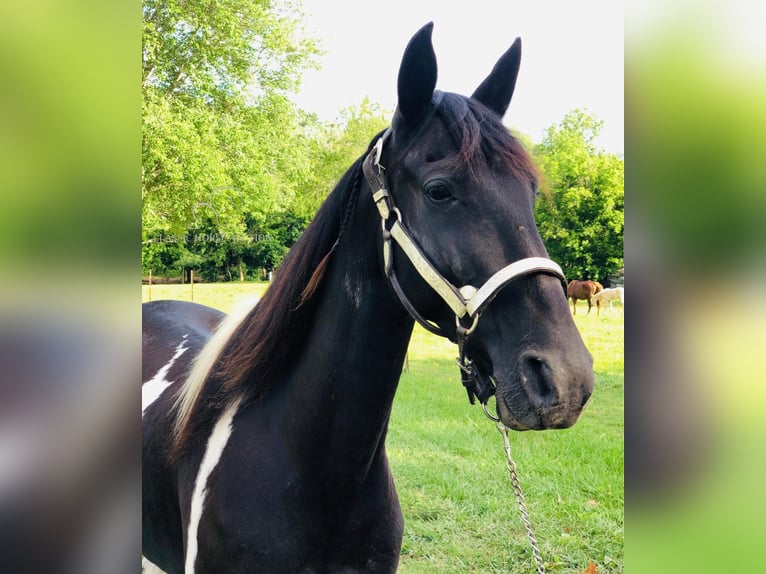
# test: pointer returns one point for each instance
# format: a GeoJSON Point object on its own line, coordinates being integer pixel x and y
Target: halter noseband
{"type": "Point", "coordinates": [467, 302]}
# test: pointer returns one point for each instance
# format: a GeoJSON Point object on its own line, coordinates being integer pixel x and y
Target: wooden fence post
{"type": "Point", "coordinates": [191, 283]}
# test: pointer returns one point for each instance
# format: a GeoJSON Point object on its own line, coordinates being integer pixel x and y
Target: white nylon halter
{"type": "Point", "coordinates": [467, 300]}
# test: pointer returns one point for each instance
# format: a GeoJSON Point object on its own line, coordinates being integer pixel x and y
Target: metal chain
{"type": "Point", "coordinates": [511, 466]}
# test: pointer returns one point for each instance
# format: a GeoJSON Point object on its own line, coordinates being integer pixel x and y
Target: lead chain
{"type": "Point", "coordinates": [511, 466]}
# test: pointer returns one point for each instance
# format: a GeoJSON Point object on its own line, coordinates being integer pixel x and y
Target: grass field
{"type": "Point", "coordinates": [449, 465]}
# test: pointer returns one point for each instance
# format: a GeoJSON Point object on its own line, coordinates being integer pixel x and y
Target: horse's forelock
{"type": "Point", "coordinates": [483, 139]}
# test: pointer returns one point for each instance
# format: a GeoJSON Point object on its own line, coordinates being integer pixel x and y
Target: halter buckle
{"type": "Point", "coordinates": [383, 220]}
{"type": "Point", "coordinates": [378, 153]}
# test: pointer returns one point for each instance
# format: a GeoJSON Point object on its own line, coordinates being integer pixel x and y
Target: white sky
{"type": "Point", "coordinates": [572, 55]}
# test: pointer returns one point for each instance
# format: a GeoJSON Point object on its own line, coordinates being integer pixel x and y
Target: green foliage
{"type": "Point", "coordinates": [215, 50]}
{"type": "Point", "coordinates": [160, 256]}
{"type": "Point", "coordinates": [285, 227]}
{"type": "Point", "coordinates": [269, 253]}
{"type": "Point", "coordinates": [334, 147]}
{"type": "Point", "coordinates": [190, 260]}
{"type": "Point", "coordinates": [219, 131]}
{"type": "Point", "coordinates": [581, 219]}
{"type": "Point", "coordinates": [232, 171]}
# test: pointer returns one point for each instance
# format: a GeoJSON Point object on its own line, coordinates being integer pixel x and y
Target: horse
{"type": "Point", "coordinates": [610, 295]}
{"type": "Point", "coordinates": [169, 330]}
{"type": "Point", "coordinates": [582, 290]}
{"type": "Point", "coordinates": [266, 451]}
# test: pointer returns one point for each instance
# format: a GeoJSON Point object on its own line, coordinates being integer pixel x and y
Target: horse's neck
{"type": "Point", "coordinates": [346, 377]}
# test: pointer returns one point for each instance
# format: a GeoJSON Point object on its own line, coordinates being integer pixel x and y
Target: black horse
{"type": "Point", "coordinates": [269, 456]}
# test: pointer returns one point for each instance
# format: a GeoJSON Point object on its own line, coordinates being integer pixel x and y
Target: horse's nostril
{"type": "Point", "coordinates": [537, 379]}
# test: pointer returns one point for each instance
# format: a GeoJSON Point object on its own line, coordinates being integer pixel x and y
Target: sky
{"type": "Point", "coordinates": [572, 56]}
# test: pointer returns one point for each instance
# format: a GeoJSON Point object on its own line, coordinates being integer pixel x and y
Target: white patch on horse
{"type": "Point", "coordinates": [215, 445]}
{"type": "Point", "coordinates": [205, 360]}
{"type": "Point", "coordinates": [148, 567]}
{"type": "Point", "coordinates": [354, 291]}
{"type": "Point", "coordinates": [153, 389]}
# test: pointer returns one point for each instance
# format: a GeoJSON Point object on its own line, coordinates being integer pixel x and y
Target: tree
{"type": "Point", "coordinates": [269, 253]}
{"type": "Point", "coordinates": [161, 255]}
{"type": "Point", "coordinates": [218, 125]}
{"type": "Point", "coordinates": [580, 215]}
{"type": "Point", "coordinates": [272, 237]}
{"type": "Point", "coordinates": [333, 148]}
{"type": "Point", "coordinates": [232, 170]}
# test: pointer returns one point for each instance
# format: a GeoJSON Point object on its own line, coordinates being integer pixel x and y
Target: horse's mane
{"type": "Point", "coordinates": [247, 352]}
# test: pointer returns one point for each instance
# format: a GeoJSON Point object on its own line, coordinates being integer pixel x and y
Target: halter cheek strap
{"type": "Point", "coordinates": [466, 302]}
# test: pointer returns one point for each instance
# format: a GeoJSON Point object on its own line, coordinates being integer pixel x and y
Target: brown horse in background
{"type": "Point", "coordinates": [582, 290]}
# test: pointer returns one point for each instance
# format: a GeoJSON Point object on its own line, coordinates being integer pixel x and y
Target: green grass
{"type": "Point", "coordinates": [448, 461]}
{"type": "Point", "coordinates": [449, 465]}
{"type": "Point", "coordinates": [223, 296]}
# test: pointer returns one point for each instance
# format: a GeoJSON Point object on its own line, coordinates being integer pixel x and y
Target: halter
{"type": "Point", "coordinates": [467, 302]}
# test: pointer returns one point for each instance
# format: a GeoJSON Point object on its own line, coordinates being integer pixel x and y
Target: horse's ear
{"type": "Point", "coordinates": [417, 76]}
{"type": "Point", "coordinates": [496, 90]}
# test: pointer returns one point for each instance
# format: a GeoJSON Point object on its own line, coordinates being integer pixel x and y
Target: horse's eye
{"type": "Point", "coordinates": [437, 191]}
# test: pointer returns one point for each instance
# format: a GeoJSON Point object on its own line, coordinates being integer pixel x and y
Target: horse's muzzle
{"type": "Point", "coordinates": [544, 392]}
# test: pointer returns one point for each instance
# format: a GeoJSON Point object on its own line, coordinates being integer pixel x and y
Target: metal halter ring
{"type": "Point", "coordinates": [473, 326]}
{"type": "Point", "coordinates": [491, 417]}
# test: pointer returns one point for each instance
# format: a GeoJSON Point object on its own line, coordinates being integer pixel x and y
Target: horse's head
{"type": "Point", "coordinates": [465, 190]}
